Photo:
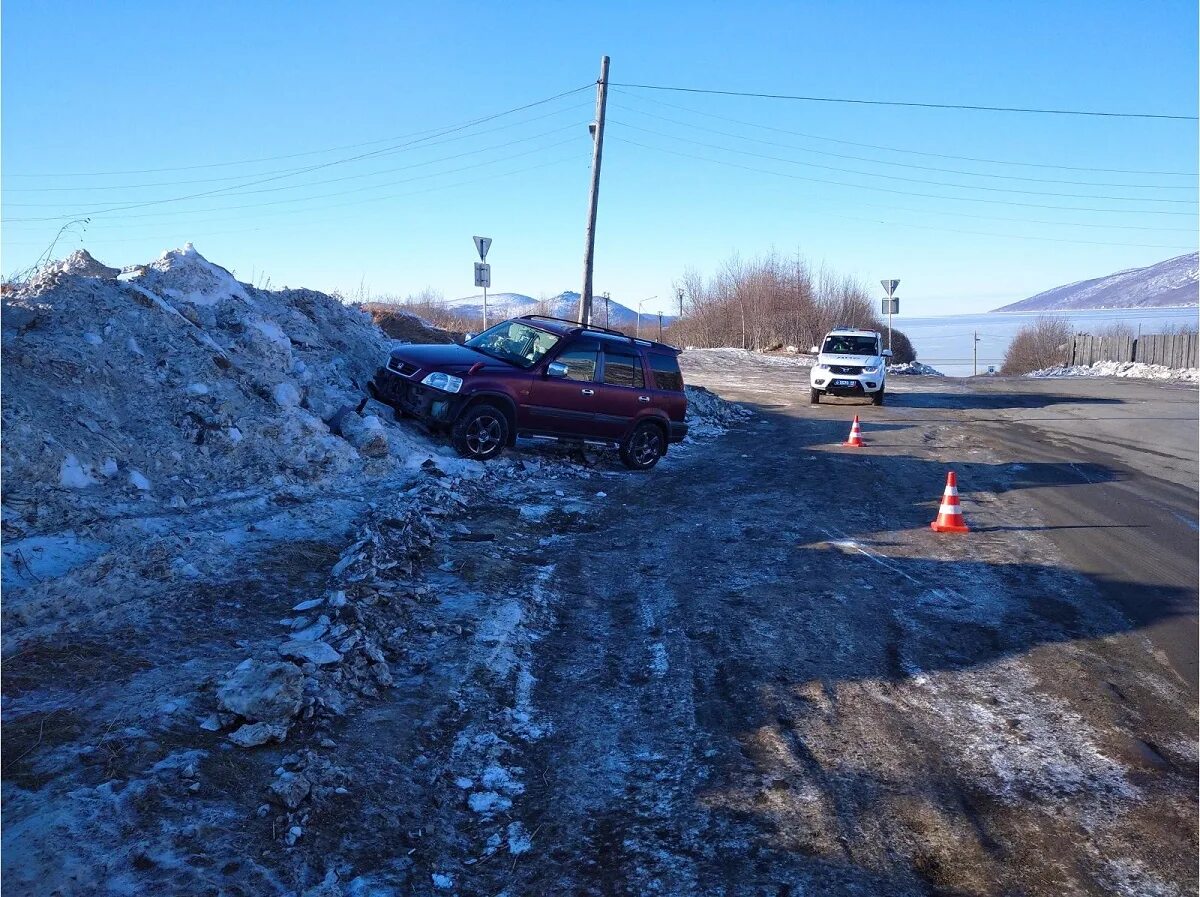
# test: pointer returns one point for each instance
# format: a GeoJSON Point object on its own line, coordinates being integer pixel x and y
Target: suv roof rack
{"type": "Point", "coordinates": [596, 327]}
{"type": "Point", "coordinates": [572, 323]}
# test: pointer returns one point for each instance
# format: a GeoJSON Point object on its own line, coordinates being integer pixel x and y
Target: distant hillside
{"type": "Point", "coordinates": [1173, 282]}
{"type": "Point", "coordinates": [564, 305]}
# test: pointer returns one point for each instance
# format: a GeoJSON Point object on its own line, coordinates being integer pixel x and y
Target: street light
{"type": "Point", "coordinates": [638, 331]}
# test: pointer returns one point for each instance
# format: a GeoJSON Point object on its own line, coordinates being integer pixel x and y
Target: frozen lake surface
{"type": "Point", "coordinates": [945, 341]}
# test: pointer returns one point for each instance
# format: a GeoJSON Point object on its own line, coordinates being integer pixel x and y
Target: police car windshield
{"type": "Point", "coordinates": [849, 345]}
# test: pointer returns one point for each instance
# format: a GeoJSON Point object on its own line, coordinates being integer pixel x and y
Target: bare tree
{"type": "Point", "coordinates": [1043, 344]}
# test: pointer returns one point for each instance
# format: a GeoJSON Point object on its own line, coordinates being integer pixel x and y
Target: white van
{"type": "Point", "coordinates": [850, 363]}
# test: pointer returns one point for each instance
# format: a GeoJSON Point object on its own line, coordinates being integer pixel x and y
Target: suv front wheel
{"type": "Point", "coordinates": [480, 433]}
{"type": "Point", "coordinates": [643, 447]}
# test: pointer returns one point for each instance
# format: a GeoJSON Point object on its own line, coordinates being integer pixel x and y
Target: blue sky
{"type": "Point", "coordinates": [90, 89]}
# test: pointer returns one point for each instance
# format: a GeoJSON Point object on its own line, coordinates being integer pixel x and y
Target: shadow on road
{"type": "Point", "coordinates": [965, 401]}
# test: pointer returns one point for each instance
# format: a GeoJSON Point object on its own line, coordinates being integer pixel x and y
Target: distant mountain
{"type": "Point", "coordinates": [1173, 282]}
{"type": "Point", "coordinates": [565, 305]}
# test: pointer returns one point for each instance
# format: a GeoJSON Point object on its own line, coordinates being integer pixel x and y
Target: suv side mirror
{"type": "Point", "coordinates": [814, 350]}
{"type": "Point", "coordinates": [886, 353]}
{"type": "Point", "coordinates": [556, 369]}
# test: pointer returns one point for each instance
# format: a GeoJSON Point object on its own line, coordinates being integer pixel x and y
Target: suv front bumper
{"type": "Point", "coordinates": [430, 405]}
{"type": "Point", "coordinates": [846, 384]}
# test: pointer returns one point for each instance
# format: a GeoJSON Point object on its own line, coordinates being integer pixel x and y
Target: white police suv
{"type": "Point", "coordinates": [850, 363]}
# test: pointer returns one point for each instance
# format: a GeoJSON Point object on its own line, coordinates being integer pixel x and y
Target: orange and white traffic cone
{"type": "Point", "coordinates": [950, 516]}
{"type": "Point", "coordinates": [855, 439]}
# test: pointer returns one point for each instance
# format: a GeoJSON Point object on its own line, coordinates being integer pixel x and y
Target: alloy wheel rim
{"type": "Point", "coordinates": [645, 447]}
{"type": "Point", "coordinates": [483, 435]}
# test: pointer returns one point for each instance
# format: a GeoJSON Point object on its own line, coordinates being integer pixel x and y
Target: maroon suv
{"type": "Point", "coordinates": [543, 378]}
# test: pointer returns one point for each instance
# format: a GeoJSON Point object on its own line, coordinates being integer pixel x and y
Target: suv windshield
{"type": "Point", "coordinates": [849, 345]}
{"type": "Point", "coordinates": [514, 342]}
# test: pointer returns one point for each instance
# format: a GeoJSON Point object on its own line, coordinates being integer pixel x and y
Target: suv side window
{"type": "Point", "coordinates": [623, 368]}
{"type": "Point", "coordinates": [581, 360]}
{"type": "Point", "coordinates": [666, 372]}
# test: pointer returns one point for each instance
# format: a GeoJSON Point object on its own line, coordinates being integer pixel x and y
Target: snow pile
{"type": "Point", "coordinates": [710, 415]}
{"type": "Point", "coordinates": [172, 382]}
{"type": "Point", "coordinates": [914, 367]}
{"type": "Point", "coordinates": [1134, 369]}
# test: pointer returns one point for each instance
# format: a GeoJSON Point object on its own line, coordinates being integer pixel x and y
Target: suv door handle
{"type": "Point", "coordinates": [643, 398]}
{"type": "Point", "coordinates": [588, 392]}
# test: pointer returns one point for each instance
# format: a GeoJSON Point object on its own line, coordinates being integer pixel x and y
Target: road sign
{"type": "Point", "coordinates": [481, 246]}
{"type": "Point", "coordinates": [890, 306]}
{"type": "Point", "coordinates": [889, 286]}
{"type": "Point", "coordinates": [483, 275]}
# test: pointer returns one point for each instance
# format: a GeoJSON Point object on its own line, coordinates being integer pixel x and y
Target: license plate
{"type": "Point", "coordinates": [847, 383]}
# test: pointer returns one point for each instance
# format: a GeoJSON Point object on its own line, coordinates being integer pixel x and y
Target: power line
{"type": "Point", "coordinates": [319, 196]}
{"type": "Point", "coordinates": [276, 228]}
{"type": "Point", "coordinates": [351, 177]}
{"type": "Point", "coordinates": [975, 174]}
{"type": "Point", "coordinates": [955, 106]}
{"type": "Point", "coordinates": [322, 165]}
{"type": "Point", "coordinates": [400, 149]}
{"type": "Point", "coordinates": [911, 180]}
{"type": "Point", "coordinates": [899, 192]}
{"type": "Point", "coordinates": [894, 224]}
{"type": "Point", "coordinates": [332, 149]}
{"type": "Point", "coordinates": [893, 149]}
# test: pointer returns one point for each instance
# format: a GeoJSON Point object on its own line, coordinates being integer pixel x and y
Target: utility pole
{"type": "Point", "coordinates": [976, 359]}
{"type": "Point", "coordinates": [606, 321]}
{"type": "Point", "coordinates": [589, 254]}
{"type": "Point", "coordinates": [679, 296]}
{"type": "Point", "coordinates": [660, 326]}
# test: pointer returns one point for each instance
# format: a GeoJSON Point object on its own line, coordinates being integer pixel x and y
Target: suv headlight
{"type": "Point", "coordinates": [871, 370]}
{"type": "Point", "coordinates": [444, 382]}
{"type": "Point", "coordinates": [821, 367]}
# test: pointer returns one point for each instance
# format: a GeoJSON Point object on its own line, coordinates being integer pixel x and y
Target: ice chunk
{"type": "Point", "coordinates": [286, 395]}
{"type": "Point", "coordinates": [73, 475]}
{"type": "Point", "coordinates": [139, 481]}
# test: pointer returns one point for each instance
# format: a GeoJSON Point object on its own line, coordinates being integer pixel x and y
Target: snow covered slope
{"type": "Point", "coordinates": [1173, 282]}
{"type": "Point", "coordinates": [564, 305]}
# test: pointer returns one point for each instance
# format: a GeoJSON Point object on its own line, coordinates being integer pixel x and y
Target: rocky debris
{"type": "Point", "coordinates": [319, 653]}
{"type": "Point", "coordinates": [262, 691]}
{"type": "Point", "coordinates": [329, 887]}
{"type": "Point", "coordinates": [255, 734]}
{"type": "Point", "coordinates": [290, 789]}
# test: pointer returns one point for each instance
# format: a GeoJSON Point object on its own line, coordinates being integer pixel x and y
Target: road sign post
{"type": "Point", "coordinates": [483, 271]}
{"type": "Point", "coordinates": [892, 304]}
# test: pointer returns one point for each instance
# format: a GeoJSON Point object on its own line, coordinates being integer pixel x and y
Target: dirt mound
{"type": "Point", "coordinates": [406, 327]}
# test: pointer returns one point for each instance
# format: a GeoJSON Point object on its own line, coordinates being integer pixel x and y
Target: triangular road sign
{"type": "Point", "coordinates": [481, 245]}
{"type": "Point", "coordinates": [889, 286]}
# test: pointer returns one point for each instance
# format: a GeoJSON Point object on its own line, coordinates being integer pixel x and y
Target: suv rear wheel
{"type": "Point", "coordinates": [480, 433]}
{"type": "Point", "coordinates": [877, 399]}
{"type": "Point", "coordinates": [643, 447]}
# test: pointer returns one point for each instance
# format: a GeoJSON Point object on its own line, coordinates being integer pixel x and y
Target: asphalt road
{"type": "Point", "coordinates": [766, 675]}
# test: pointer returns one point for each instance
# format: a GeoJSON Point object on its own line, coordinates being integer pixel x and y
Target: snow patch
{"type": "Point", "coordinates": [1135, 369]}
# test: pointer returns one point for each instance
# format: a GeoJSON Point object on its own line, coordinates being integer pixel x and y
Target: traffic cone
{"type": "Point", "coordinates": [950, 516]}
{"type": "Point", "coordinates": [855, 439]}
